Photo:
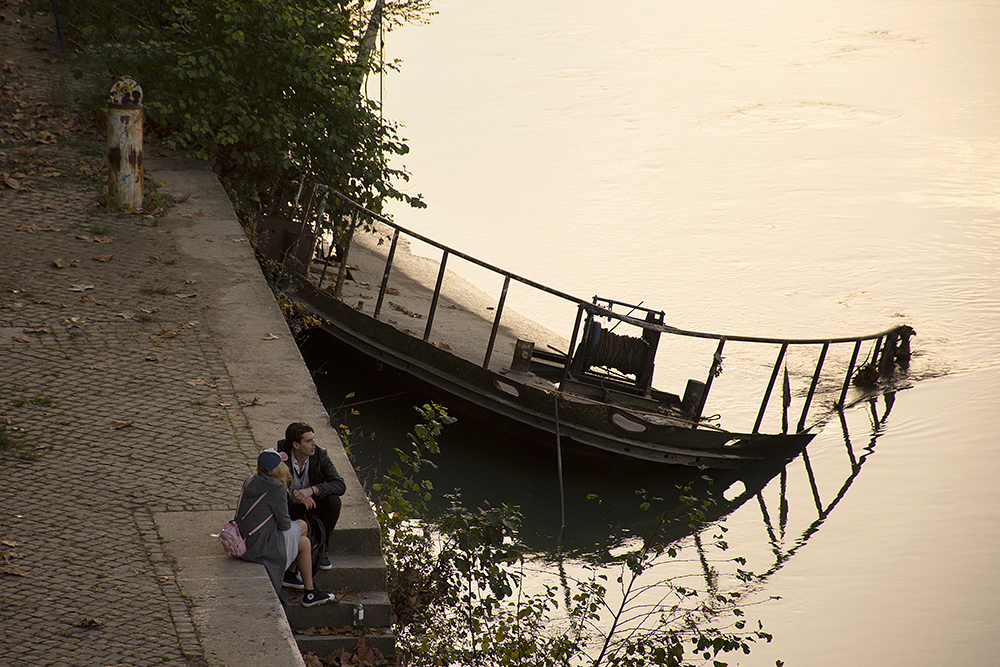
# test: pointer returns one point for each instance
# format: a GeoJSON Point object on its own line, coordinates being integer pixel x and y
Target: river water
{"type": "Point", "coordinates": [802, 169]}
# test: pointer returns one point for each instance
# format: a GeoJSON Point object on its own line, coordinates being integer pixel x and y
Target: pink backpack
{"type": "Point", "coordinates": [231, 538]}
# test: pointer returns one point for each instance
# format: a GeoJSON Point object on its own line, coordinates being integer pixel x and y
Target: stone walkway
{"type": "Point", "coordinates": [116, 400]}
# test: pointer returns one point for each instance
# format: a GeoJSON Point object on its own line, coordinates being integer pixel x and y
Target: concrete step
{"type": "Point", "coordinates": [336, 615]}
{"type": "Point", "coordinates": [360, 541]}
{"type": "Point", "coordinates": [352, 573]}
{"type": "Point", "coordinates": [324, 645]}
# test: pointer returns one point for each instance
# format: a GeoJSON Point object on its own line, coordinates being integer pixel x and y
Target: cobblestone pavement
{"type": "Point", "coordinates": [109, 391]}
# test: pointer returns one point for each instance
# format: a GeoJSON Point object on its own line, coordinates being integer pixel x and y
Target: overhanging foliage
{"type": "Point", "coordinates": [268, 90]}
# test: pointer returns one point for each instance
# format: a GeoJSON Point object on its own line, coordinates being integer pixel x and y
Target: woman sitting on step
{"type": "Point", "coordinates": [272, 537]}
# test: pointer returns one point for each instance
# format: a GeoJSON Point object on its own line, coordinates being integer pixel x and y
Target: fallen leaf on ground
{"type": "Point", "coordinates": [126, 316]}
{"type": "Point", "coordinates": [20, 339]}
{"type": "Point", "coordinates": [149, 311]}
{"type": "Point", "coordinates": [102, 239]}
{"type": "Point", "coordinates": [99, 367]}
{"type": "Point", "coordinates": [247, 404]}
{"type": "Point", "coordinates": [80, 288]}
{"type": "Point", "coordinates": [27, 228]}
{"type": "Point", "coordinates": [270, 336]}
{"type": "Point", "coordinates": [168, 333]}
{"type": "Point", "coordinates": [36, 330]}
{"type": "Point", "coordinates": [102, 258]}
{"type": "Point", "coordinates": [184, 198]}
{"type": "Point", "coordinates": [9, 543]}
{"type": "Point", "coordinates": [54, 207]}
{"type": "Point", "coordinates": [89, 623]}
{"type": "Point", "coordinates": [71, 322]}
{"type": "Point", "coordinates": [50, 228]}
{"type": "Point", "coordinates": [188, 325]}
{"type": "Point", "coordinates": [196, 382]}
{"type": "Point", "coordinates": [61, 263]}
{"type": "Point", "coordinates": [11, 570]}
{"type": "Point", "coordinates": [190, 282]}
{"type": "Point", "coordinates": [405, 310]}
{"type": "Point", "coordinates": [392, 290]}
{"type": "Point", "coordinates": [156, 357]}
{"type": "Point", "coordinates": [117, 424]}
{"type": "Point", "coordinates": [88, 299]}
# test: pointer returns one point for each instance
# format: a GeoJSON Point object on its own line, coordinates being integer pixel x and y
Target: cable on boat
{"type": "Point", "coordinates": [606, 348]}
{"type": "Point", "coordinates": [380, 398]}
{"type": "Point", "coordinates": [562, 495]}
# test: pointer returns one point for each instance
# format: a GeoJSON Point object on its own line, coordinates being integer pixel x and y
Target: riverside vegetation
{"type": "Point", "coordinates": [458, 584]}
{"type": "Point", "coordinates": [270, 92]}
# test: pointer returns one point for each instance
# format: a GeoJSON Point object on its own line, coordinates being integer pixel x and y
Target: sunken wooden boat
{"type": "Point", "coordinates": [589, 390]}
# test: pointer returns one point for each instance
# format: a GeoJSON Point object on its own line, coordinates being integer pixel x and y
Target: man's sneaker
{"type": "Point", "coordinates": [324, 563]}
{"type": "Point", "coordinates": [293, 580]}
{"type": "Point", "coordinates": [313, 598]}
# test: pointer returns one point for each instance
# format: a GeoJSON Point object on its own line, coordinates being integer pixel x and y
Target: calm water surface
{"type": "Point", "coordinates": [758, 168]}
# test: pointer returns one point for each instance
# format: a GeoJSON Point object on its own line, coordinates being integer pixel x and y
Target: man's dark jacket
{"type": "Point", "coordinates": [322, 473]}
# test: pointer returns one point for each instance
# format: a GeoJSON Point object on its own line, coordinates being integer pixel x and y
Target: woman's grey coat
{"type": "Point", "coordinates": [267, 545]}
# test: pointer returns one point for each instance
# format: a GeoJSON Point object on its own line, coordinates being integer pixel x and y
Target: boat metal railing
{"type": "Point", "coordinates": [889, 347]}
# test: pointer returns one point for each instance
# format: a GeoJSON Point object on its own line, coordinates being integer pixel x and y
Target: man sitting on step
{"type": "Point", "coordinates": [316, 484]}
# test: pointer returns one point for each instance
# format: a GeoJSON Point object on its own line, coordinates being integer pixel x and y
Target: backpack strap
{"type": "Point", "coordinates": [261, 525]}
{"type": "Point", "coordinates": [240, 501]}
{"type": "Point", "coordinates": [259, 498]}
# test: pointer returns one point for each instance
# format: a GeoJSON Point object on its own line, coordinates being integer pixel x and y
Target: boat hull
{"type": "Point", "coordinates": [594, 429]}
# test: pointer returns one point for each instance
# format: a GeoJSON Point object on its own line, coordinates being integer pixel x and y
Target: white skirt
{"type": "Point", "coordinates": [292, 537]}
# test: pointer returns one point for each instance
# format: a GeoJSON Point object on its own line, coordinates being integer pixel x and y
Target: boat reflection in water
{"type": "Point", "coordinates": [695, 576]}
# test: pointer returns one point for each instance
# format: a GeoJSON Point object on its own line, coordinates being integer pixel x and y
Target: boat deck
{"type": "Point", "coordinates": [463, 319]}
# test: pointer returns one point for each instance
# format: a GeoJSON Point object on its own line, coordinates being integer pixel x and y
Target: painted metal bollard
{"type": "Point", "coordinates": [125, 143]}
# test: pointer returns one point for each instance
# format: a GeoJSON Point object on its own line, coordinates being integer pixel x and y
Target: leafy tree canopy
{"type": "Point", "coordinates": [268, 90]}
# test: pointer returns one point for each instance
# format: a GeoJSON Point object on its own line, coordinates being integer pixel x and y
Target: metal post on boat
{"type": "Point", "coordinates": [385, 275]}
{"type": "Point", "coordinates": [572, 342]}
{"type": "Point", "coordinates": [342, 271]}
{"type": "Point", "coordinates": [847, 377]}
{"type": "Point", "coordinates": [812, 387]}
{"type": "Point", "coordinates": [521, 361]}
{"type": "Point", "coordinates": [306, 212]}
{"type": "Point", "coordinates": [496, 321]}
{"type": "Point", "coordinates": [326, 264]}
{"type": "Point", "coordinates": [712, 372]}
{"type": "Point", "coordinates": [770, 386]}
{"type": "Point", "coordinates": [437, 293]}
